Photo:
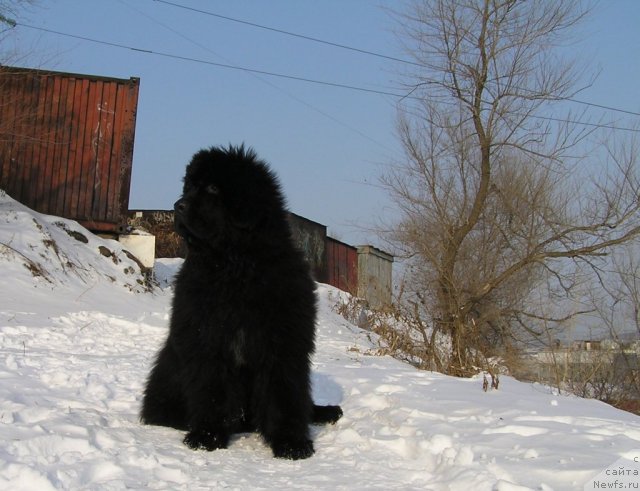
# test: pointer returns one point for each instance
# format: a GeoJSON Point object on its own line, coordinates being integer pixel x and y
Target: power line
{"type": "Point", "coordinates": [288, 33]}
{"type": "Point", "coordinates": [281, 75]}
{"type": "Point", "coordinates": [212, 63]}
{"type": "Point", "coordinates": [608, 108]}
{"type": "Point", "coordinates": [258, 77]}
{"type": "Point", "coordinates": [361, 51]}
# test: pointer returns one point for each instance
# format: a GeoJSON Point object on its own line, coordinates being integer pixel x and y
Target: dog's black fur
{"type": "Point", "coordinates": [243, 321]}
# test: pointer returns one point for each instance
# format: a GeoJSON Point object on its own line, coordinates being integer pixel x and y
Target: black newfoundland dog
{"type": "Point", "coordinates": [243, 321]}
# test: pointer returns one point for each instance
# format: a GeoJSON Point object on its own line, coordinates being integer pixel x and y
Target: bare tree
{"type": "Point", "coordinates": [19, 112]}
{"type": "Point", "coordinates": [617, 315]}
{"type": "Point", "coordinates": [495, 207]}
{"type": "Point", "coordinates": [7, 10]}
{"type": "Point", "coordinates": [10, 10]}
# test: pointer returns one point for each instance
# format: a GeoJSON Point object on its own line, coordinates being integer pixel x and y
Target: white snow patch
{"type": "Point", "coordinates": [78, 334]}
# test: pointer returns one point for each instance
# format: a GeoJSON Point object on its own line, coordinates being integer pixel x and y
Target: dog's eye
{"type": "Point", "coordinates": [211, 189]}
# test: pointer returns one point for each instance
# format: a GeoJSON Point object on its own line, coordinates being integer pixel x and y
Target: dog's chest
{"type": "Point", "coordinates": [238, 347]}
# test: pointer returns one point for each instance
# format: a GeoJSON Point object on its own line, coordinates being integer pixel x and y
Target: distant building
{"type": "Point", "coordinates": [66, 144]}
{"type": "Point", "coordinates": [363, 271]}
{"type": "Point", "coordinates": [66, 149]}
{"type": "Point", "coordinates": [374, 276]}
{"type": "Point", "coordinates": [586, 345]}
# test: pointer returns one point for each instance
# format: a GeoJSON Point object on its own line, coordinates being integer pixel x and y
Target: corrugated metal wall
{"type": "Point", "coordinates": [342, 265]}
{"type": "Point", "coordinates": [374, 276]}
{"type": "Point", "coordinates": [364, 271]}
{"type": "Point", "coordinates": [309, 237]}
{"type": "Point", "coordinates": [66, 144]}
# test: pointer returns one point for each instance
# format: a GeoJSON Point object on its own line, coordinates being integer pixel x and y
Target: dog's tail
{"type": "Point", "coordinates": [326, 414]}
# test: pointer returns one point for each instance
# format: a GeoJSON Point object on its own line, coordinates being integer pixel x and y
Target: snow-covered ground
{"type": "Point", "coordinates": [78, 333]}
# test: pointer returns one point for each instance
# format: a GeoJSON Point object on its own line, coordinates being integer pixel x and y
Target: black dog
{"type": "Point", "coordinates": [243, 322]}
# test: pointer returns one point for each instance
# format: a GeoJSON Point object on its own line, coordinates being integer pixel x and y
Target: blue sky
{"type": "Point", "coordinates": [328, 145]}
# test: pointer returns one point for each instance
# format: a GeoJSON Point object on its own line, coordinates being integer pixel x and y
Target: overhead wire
{"type": "Point", "coordinates": [209, 62]}
{"type": "Point", "coordinates": [257, 76]}
{"type": "Point", "coordinates": [360, 50]}
{"type": "Point", "coordinates": [281, 75]}
{"type": "Point", "coordinates": [288, 33]}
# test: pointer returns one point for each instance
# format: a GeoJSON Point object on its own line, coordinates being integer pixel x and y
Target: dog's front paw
{"type": "Point", "coordinates": [293, 450]}
{"type": "Point", "coordinates": [206, 440]}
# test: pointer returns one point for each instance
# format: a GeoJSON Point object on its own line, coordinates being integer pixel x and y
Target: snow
{"type": "Point", "coordinates": [79, 330]}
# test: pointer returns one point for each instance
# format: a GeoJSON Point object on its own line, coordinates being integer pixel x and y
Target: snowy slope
{"type": "Point", "coordinates": [78, 335]}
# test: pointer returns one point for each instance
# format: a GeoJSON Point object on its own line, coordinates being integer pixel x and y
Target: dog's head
{"type": "Point", "coordinates": [229, 196]}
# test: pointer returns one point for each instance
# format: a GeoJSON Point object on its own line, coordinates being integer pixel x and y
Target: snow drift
{"type": "Point", "coordinates": [79, 329]}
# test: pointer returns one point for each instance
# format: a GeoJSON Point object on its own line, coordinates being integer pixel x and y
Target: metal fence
{"type": "Point", "coordinates": [66, 144]}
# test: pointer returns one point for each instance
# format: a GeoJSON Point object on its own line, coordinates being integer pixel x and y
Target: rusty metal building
{"type": "Point", "coordinates": [66, 149]}
{"type": "Point", "coordinates": [363, 271]}
{"type": "Point", "coordinates": [310, 237]}
{"type": "Point", "coordinates": [66, 144]}
{"type": "Point", "coordinates": [342, 265]}
{"type": "Point", "coordinates": [332, 261]}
